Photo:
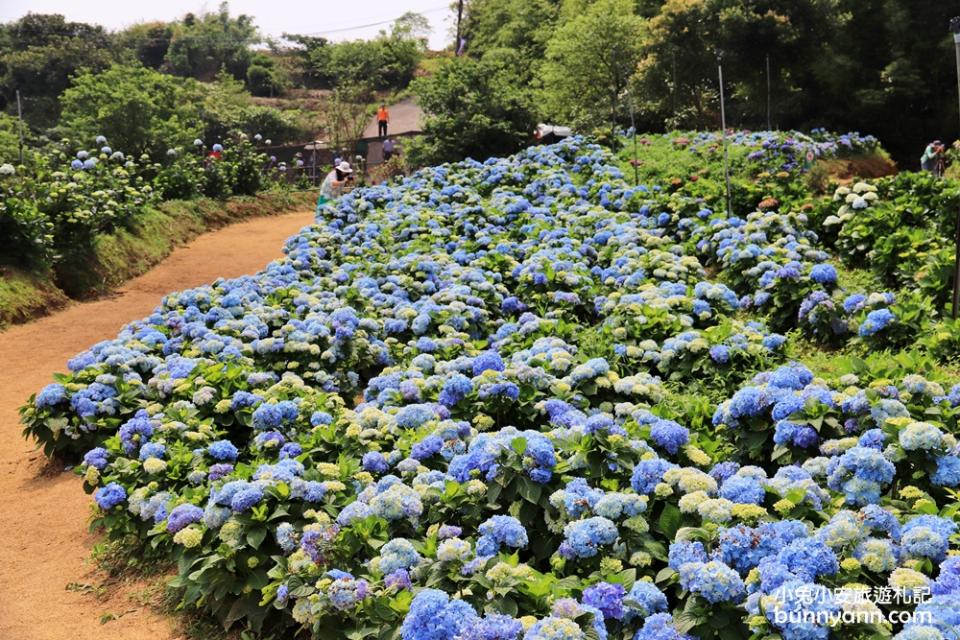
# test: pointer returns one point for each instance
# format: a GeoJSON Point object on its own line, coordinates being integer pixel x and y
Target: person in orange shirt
{"type": "Point", "coordinates": [383, 117]}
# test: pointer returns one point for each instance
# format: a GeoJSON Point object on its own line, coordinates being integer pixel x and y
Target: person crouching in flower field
{"type": "Point", "coordinates": [333, 183]}
{"type": "Point", "coordinates": [932, 158]}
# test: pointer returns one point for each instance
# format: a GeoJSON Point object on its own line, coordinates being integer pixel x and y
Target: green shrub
{"type": "Point", "coordinates": [183, 179]}
{"type": "Point", "coordinates": [247, 168]}
{"type": "Point", "coordinates": [26, 232]}
{"type": "Point", "coordinates": [54, 210]}
{"type": "Point", "coordinates": [220, 179]}
{"type": "Point", "coordinates": [902, 227]}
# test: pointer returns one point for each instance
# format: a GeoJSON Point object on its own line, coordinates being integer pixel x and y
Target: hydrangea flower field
{"type": "Point", "coordinates": [527, 399]}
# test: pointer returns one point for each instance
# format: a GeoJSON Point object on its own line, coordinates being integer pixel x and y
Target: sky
{"type": "Point", "coordinates": [343, 20]}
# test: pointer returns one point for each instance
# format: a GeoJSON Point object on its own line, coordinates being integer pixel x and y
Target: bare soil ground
{"type": "Point", "coordinates": [49, 588]}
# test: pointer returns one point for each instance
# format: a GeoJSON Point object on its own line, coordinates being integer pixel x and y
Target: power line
{"type": "Point", "coordinates": [371, 24]}
{"type": "Point", "coordinates": [345, 23]}
{"type": "Point", "coordinates": [228, 40]}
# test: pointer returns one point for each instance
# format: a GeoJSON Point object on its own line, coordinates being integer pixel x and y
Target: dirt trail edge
{"type": "Point", "coordinates": [44, 518]}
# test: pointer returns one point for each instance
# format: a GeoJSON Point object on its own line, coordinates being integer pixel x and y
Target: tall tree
{"type": "Point", "coordinates": [388, 61]}
{"type": "Point", "coordinates": [676, 75]}
{"type": "Point", "coordinates": [202, 45]}
{"type": "Point", "coordinates": [412, 25]}
{"type": "Point", "coordinates": [139, 110]}
{"type": "Point", "coordinates": [525, 26]}
{"type": "Point", "coordinates": [40, 54]}
{"type": "Point", "coordinates": [472, 108]}
{"type": "Point", "coordinates": [264, 76]}
{"type": "Point", "coordinates": [347, 113]}
{"type": "Point", "coordinates": [589, 62]}
{"type": "Point", "coordinates": [148, 41]}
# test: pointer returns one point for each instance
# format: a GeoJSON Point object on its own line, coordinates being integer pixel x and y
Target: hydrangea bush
{"type": "Point", "coordinates": [522, 398]}
{"type": "Point", "coordinates": [57, 204]}
{"type": "Point", "coordinates": [901, 227]}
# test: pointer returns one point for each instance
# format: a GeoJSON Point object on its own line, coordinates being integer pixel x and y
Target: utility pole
{"type": "Point", "coordinates": [723, 125]}
{"type": "Point", "coordinates": [673, 93]}
{"type": "Point", "coordinates": [769, 126]}
{"type": "Point", "coordinates": [20, 124]}
{"type": "Point", "coordinates": [633, 125]}
{"type": "Point", "coordinates": [955, 30]}
{"type": "Point", "coordinates": [459, 30]}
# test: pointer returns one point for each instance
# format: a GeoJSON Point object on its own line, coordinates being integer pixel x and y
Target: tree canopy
{"type": "Point", "coordinates": [881, 65]}
{"type": "Point", "coordinates": [142, 110]}
{"type": "Point", "coordinates": [473, 109]}
{"type": "Point", "coordinates": [385, 62]}
{"type": "Point", "coordinates": [589, 62]}
{"type": "Point", "coordinates": [200, 46]}
{"type": "Point", "coordinates": [40, 54]}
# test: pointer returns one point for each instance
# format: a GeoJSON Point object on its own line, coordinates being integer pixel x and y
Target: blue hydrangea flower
{"type": "Point", "coordinates": [399, 579]}
{"type": "Point", "coordinates": [374, 462]}
{"type": "Point", "coordinates": [415, 415]}
{"type": "Point", "coordinates": [948, 580]}
{"type": "Point", "coordinates": [607, 598]}
{"type": "Point", "coordinates": [860, 473]}
{"type": "Point", "coordinates": [648, 474]}
{"type": "Point", "coordinates": [926, 536]}
{"type": "Point", "coordinates": [427, 447]}
{"type": "Point", "coordinates": [135, 431]}
{"type": "Point", "coordinates": [713, 581]}
{"type": "Point", "coordinates": [487, 361]}
{"type": "Point", "coordinates": [97, 458]}
{"type": "Point", "coordinates": [345, 592]}
{"type": "Point", "coordinates": [50, 396]}
{"type": "Point", "coordinates": [743, 490]}
{"type": "Point", "coordinates": [182, 515]}
{"type": "Point", "coordinates": [398, 553]}
{"type": "Point", "coordinates": [720, 354]}
{"type": "Point", "coordinates": [943, 613]}
{"type": "Point", "coordinates": [501, 530]}
{"type": "Point", "coordinates": [823, 274]}
{"type": "Point", "coordinates": [554, 628]}
{"type": "Point", "coordinates": [743, 547]}
{"type": "Point", "coordinates": [583, 538]}
{"type": "Point", "coordinates": [669, 435]}
{"type": "Point", "coordinates": [494, 626]}
{"type": "Point", "coordinates": [109, 496]}
{"type": "Point", "coordinates": [246, 498]}
{"type": "Point", "coordinates": [223, 450]}
{"type": "Point", "coordinates": [808, 558]}
{"type": "Point", "coordinates": [723, 470]}
{"type": "Point", "coordinates": [789, 602]}
{"type": "Point", "coordinates": [877, 320]}
{"type": "Point", "coordinates": [660, 626]}
{"type": "Point", "coordinates": [920, 436]}
{"type": "Point", "coordinates": [948, 471]}
{"type": "Point", "coordinates": [455, 389]}
{"type": "Point", "coordinates": [434, 616]}
{"type": "Point", "coordinates": [645, 599]}
{"type": "Point", "coordinates": [683, 551]}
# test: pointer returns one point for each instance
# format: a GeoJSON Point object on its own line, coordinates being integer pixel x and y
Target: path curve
{"type": "Point", "coordinates": [43, 519]}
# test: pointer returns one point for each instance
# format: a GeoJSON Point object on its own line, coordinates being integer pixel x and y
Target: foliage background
{"type": "Point", "coordinates": [882, 65]}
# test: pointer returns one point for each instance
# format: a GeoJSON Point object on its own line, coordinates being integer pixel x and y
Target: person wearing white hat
{"type": "Point", "coordinates": [344, 170]}
{"type": "Point", "coordinates": [332, 185]}
{"type": "Point", "coordinates": [932, 159]}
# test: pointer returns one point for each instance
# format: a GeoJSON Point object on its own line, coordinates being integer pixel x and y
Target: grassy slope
{"type": "Point", "coordinates": [24, 296]}
{"type": "Point", "coordinates": [127, 253]}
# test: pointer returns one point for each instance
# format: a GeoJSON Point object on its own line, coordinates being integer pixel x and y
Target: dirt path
{"type": "Point", "coordinates": [43, 519]}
